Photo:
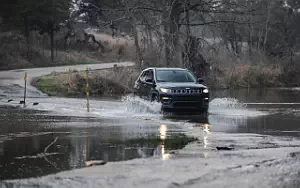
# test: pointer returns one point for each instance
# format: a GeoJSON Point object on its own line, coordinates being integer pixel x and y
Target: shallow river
{"type": "Point", "coordinates": [58, 134]}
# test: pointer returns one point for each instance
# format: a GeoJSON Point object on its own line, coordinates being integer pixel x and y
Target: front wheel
{"type": "Point", "coordinates": [155, 98]}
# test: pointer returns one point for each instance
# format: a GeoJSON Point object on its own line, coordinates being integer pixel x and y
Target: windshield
{"type": "Point", "coordinates": [174, 76]}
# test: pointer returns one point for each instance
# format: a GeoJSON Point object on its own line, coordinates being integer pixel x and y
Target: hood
{"type": "Point", "coordinates": [180, 85]}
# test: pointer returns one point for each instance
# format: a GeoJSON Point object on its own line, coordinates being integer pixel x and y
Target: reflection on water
{"type": "Point", "coordinates": [29, 148]}
{"type": "Point", "coordinates": [273, 124]}
{"type": "Point", "coordinates": [163, 136]}
{"type": "Point", "coordinates": [163, 132]}
{"type": "Point", "coordinates": [207, 131]}
{"type": "Point", "coordinates": [24, 157]}
{"type": "Point", "coordinates": [24, 136]}
{"type": "Point", "coordinates": [275, 95]}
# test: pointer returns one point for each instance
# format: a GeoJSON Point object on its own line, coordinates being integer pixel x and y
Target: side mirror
{"type": "Point", "coordinates": [200, 80]}
{"type": "Point", "coordinates": [149, 80]}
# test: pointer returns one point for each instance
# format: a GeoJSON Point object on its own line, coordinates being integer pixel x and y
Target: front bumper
{"type": "Point", "coordinates": [190, 102]}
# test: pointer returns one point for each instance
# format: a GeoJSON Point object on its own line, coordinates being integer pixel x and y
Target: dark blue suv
{"type": "Point", "coordinates": [177, 89]}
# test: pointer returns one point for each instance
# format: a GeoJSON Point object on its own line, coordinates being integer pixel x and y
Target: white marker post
{"type": "Point", "coordinates": [87, 89]}
{"type": "Point", "coordinates": [25, 80]}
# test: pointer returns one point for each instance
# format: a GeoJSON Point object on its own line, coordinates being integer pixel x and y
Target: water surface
{"type": "Point", "coordinates": [124, 129]}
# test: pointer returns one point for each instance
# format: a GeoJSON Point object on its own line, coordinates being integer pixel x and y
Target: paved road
{"type": "Point", "coordinates": [12, 81]}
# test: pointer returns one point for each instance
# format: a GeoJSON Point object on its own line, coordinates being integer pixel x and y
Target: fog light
{"type": "Point", "coordinates": [205, 91]}
{"type": "Point", "coordinates": [164, 90]}
{"type": "Point", "coordinates": [206, 99]}
{"type": "Point", "coordinates": [165, 98]}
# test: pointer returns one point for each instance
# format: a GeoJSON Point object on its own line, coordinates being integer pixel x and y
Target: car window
{"type": "Point", "coordinates": [147, 75]}
{"type": "Point", "coordinates": [175, 76]}
{"type": "Point", "coordinates": [143, 76]}
{"type": "Point", "coordinates": [150, 75]}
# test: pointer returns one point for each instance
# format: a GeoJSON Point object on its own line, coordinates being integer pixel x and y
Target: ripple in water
{"type": "Point", "coordinates": [130, 106]}
{"type": "Point", "coordinates": [232, 107]}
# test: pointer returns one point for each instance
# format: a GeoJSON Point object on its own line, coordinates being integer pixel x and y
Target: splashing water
{"type": "Point", "coordinates": [226, 103]}
{"type": "Point", "coordinates": [232, 107]}
{"type": "Point", "coordinates": [131, 106]}
{"type": "Point", "coordinates": [137, 105]}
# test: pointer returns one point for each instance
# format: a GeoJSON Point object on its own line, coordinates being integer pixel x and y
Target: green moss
{"type": "Point", "coordinates": [107, 82]}
{"type": "Point", "coordinates": [55, 86]}
{"type": "Point", "coordinates": [47, 85]}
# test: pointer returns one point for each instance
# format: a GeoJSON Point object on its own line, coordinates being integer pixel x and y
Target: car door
{"type": "Point", "coordinates": [139, 84]}
{"type": "Point", "coordinates": [148, 84]}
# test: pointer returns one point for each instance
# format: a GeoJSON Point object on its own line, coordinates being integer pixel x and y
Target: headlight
{"type": "Point", "coordinates": [205, 90]}
{"type": "Point", "coordinates": [164, 90]}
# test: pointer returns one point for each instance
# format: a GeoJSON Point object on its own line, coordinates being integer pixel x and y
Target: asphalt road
{"type": "Point", "coordinates": [14, 79]}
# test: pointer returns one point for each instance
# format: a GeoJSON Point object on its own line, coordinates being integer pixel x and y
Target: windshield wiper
{"type": "Point", "coordinates": [162, 81]}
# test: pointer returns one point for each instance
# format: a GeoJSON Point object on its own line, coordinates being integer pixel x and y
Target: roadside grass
{"type": "Point", "coordinates": [105, 82]}
{"type": "Point", "coordinates": [55, 85]}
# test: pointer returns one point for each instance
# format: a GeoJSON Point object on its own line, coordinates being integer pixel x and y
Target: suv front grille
{"type": "Point", "coordinates": [186, 98]}
{"type": "Point", "coordinates": [186, 91]}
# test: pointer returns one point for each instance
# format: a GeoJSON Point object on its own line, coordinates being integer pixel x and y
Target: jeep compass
{"type": "Point", "coordinates": [177, 89]}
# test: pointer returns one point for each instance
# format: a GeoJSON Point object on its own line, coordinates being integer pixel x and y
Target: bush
{"type": "Point", "coordinates": [231, 71]}
{"type": "Point", "coordinates": [109, 82]}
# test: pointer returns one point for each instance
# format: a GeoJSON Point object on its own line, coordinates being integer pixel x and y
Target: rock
{"type": "Point", "coordinates": [295, 154]}
{"type": "Point", "coordinates": [225, 148]}
{"type": "Point", "coordinates": [35, 103]}
{"type": "Point", "coordinates": [94, 163]}
{"type": "Point", "coordinates": [10, 100]}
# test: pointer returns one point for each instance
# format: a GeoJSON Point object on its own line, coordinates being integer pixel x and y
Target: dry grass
{"type": "Point", "coordinates": [231, 71]}
{"type": "Point", "coordinates": [108, 82]}
{"type": "Point", "coordinates": [15, 53]}
{"type": "Point", "coordinates": [247, 76]}
{"type": "Point", "coordinates": [123, 76]}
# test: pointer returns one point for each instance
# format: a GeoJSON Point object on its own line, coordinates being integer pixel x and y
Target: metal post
{"type": "Point", "coordinates": [25, 79]}
{"type": "Point", "coordinates": [87, 89]}
{"type": "Point", "coordinates": [87, 147]}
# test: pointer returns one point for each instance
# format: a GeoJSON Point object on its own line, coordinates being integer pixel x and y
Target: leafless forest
{"type": "Point", "coordinates": [244, 43]}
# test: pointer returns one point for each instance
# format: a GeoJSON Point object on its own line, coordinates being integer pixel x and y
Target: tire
{"type": "Point", "coordinates": [155, 98]}
{"type": "Point", "coordinates": [204, 111]}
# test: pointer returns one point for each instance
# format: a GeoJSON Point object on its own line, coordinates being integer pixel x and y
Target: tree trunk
{"type": "Point", "coordinates": [171, 28]}
{"type": "Point", "coordinates": [26, 25]}
{"type": "Point", "coordinates": [167, 45]}
{"type": "Point", "coordinates": [236, 42]}
{"type": "Point", "coordinates": [150, 37]}
{"type": "Point", "coordinates": [137, 45]}
{"type": "Point", "coordinates": [188, 41]}
{"type": "Point", "coordinates": [250, 38]}
{"type": "Point", "coordinates": [267, 26]}
{"type": "Point", "coordinates": [52, 42]}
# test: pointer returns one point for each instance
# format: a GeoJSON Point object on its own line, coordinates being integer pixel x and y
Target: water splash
{"type": "Point", "coordinates": [129, 106]}
{"type": "Point", "coordinates": [226, 103]}
{"type": "Point", "coordinates": [137, 105]}
{"type": "Point", "coordinates": [232, 107]}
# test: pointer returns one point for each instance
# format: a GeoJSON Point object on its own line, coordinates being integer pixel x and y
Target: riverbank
{"type": "Point", "coordinates": [105, 82]}
{"type": "Point", "coordinates": [120, 80]}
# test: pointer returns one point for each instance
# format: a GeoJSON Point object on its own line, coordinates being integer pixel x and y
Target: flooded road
{"type": "Point", "coordinates": [25, 135]}
{"type": "Point", "coordinates": [58, 135]}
